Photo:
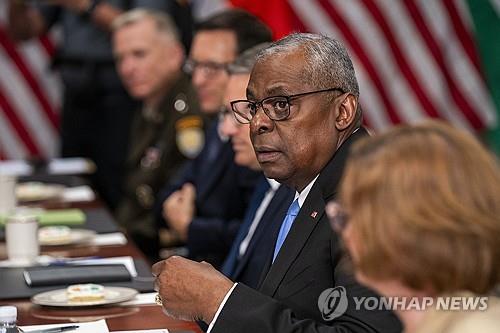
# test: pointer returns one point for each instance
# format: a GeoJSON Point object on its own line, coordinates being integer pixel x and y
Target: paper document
{"type": "Point", "coordinates": [114, 238]}
{"type": "Point", "coordinates": [78, 193]}
{"type": "Point", "coordinates": [141, 299]}
{"type": "Point", "coordinates": [15, 168]}
{"type": "Point", "coordinates": [98, 326]}
{"type": "Point", "coordinates": [144, 331]}
{"type": "Point", "coordinates": [127, 261]}
{"type": "Point", "coordinates": [70, 166]}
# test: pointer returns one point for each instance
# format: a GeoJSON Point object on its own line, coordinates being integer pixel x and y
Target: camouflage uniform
{"type": "Point", "coordinates": [161, 140]}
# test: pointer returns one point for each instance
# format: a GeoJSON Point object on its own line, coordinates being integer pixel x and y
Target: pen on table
{"type": "Point", "coordinates": [55, 329]}
{"type": "Point", "coordinates": [70, 261]}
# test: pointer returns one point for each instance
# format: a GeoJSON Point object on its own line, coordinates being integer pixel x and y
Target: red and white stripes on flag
{"type": "Point", "coordinates": [413, 58]}
{"type": "Point", "coordinates": [29, 96]}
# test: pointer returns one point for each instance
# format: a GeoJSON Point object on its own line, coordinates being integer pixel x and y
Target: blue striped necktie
{"type": "Point", "coordinates": [292, 212]}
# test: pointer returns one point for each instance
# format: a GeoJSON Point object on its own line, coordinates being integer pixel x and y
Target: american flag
{"type": "Point", "coordinates": [413, 58]}
{"type": "Point", "coordinates": [30, 96]}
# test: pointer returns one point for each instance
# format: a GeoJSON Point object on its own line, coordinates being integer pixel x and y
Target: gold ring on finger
{"type": "Point", "coordinates": [158, 299]}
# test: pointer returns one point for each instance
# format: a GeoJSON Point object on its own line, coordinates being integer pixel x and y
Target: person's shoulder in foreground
{"type": "Point", "coordinates": [485, 321]}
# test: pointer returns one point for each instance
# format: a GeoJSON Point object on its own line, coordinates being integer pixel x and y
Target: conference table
{"type": "Point", "coordinates": [118, 318]}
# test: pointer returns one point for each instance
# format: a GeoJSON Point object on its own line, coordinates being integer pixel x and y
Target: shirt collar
{"type": "Point", "coordinates": [274, 184]}
{"type": "Point", "coordinates": [305, 192]}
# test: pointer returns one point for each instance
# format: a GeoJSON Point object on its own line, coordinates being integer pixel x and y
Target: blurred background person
{"type": "Point", "coordinates": [167, 129]}
{"type": "Point", "coordinates": [205, 204]}
{"type": "Point", "coordinates": [250, 252]}
{"type": "Point", "coordinates": [419, 212]}
{"type": "Point", "coordinates": [97, 111]}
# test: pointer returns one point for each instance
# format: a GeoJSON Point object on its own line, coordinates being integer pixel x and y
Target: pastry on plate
{"type": "Point", "coordinates": [54, 235]}
{"type": "Point", "coordinates": [88, 292]}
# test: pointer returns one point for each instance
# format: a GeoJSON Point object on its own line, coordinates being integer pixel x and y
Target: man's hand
{"type": "Point", "coordinates": [179, 209]}
{"type": "Point", "coordinates": [190, 290]}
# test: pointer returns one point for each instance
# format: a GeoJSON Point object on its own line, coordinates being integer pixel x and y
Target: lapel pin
{"type": "Point", "coordinates": [314, 214]}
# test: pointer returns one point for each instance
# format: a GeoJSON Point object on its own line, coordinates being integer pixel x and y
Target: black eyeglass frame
{"type": "Point", "coordinates": [210, 67]}
{"type": "Point", "coordinates": [238, 114]}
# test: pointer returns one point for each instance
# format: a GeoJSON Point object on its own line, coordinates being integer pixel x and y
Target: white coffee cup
{"type": "Point", "coordinates": [21, 235]}
{"type": "Point", "coordinates": [7, 193]}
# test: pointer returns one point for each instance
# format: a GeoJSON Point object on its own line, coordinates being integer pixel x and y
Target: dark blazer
{"type": "Point", "coordinates": [249, 268]}
{"type": "Point", "coordinates": [308, 263]}
{"type": "Point", "coordinates": [223, 191]}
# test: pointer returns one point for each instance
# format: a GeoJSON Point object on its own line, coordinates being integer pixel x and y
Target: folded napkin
{"type": "Point", "coordinates": [64, 275]}
{"type": "Point", "coordinates": [56, 217]}
{"type": "Point", "coordinates": [141, 299]}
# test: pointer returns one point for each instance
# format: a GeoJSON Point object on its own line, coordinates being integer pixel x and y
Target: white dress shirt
{"type": "Point", "coordinates": [273, 187]}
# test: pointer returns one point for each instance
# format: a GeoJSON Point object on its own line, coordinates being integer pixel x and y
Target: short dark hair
{"type": "Point", "coordinates": [248, 28]}
{"type": "Point", "coordinates": [246, 60]}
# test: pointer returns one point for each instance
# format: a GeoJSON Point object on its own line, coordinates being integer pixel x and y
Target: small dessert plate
{"type": "Point", "coordinates": [112, 295]}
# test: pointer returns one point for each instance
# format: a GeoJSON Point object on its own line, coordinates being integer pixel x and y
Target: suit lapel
{"type": "Point", "coordinates": [310, 214]}
{"type": "Point", "coordinates": [211, 173]}
{"type": "Point", "coordinates": [282, 197]}
{"type": "Point", "coordinates": [302, 228]}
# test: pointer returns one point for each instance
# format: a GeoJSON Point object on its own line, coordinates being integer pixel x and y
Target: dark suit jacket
{"type": "Point", "coordinates": [249, 268]}
{"type": "Point", "coordinates": [223, 191]}
{"type": "Point", "coordinates": [308, 263]}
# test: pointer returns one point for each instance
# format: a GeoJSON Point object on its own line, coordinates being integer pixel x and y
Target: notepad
{"type": "Point", "coordinates": [56, 217]}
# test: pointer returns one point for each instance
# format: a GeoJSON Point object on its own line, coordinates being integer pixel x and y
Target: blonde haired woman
{"type": "Point", "coordinates": [419, 212]}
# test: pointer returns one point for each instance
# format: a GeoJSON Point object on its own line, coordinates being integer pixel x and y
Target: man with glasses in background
{"type": "Point", "coordinates": [302, 107]}
{"type": "Point", "coordinates": [204, 206]}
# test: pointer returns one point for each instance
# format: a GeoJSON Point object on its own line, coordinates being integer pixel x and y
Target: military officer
{"type": "Point", "coordinates": [169, 128]}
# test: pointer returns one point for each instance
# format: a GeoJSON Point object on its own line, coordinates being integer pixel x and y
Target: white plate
{"type": "Point", "coordinates": [36, 191]}
{"type": "Point", "coordinates": [58, 297]}
{"type": "Point", "coordinates": [76, 236]}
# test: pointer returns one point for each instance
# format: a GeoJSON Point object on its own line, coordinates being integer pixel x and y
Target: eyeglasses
{"type": "Point", "coordinates": [225, 112]}
{"type": "Point", "coordinates": [337, 216]}
{"type": "Point", "coordinates": [275, 107]}
{"type": "Point", "coordinates": [209, 68]}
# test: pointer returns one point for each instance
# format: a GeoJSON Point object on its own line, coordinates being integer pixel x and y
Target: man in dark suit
{"type": "Point", "coordinates": [303, 112]}
{"type": "Point", "coordinates": [254, 241]}
{"type": "Point", "coordinates": [205, 205]}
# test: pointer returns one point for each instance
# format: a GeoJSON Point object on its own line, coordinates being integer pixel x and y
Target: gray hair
{"type": "Point", "coordinates": [162, 20]}
{"type": "Point", "coordinates": [328, 64]}
{"type": "Point", "coordinates": [245, 61]}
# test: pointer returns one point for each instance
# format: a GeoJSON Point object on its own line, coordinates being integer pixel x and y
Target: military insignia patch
{"type": "Point", "coordinates": [151, 158]}
{"type": "Point", "coordinates": [190, 137]}
{"type": "Point", "coordinates": [145, 196]}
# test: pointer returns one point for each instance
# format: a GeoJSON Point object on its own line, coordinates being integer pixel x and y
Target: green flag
{"type": "Point", "coordinates": [486, 17]}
